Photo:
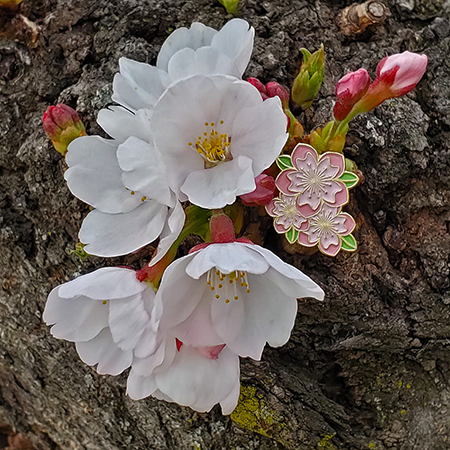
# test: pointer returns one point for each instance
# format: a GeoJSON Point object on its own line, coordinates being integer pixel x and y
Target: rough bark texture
{"type": "Point", "coordinates": [369, 368]}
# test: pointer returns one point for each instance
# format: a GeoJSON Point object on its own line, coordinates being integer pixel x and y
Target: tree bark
{"type": "Point", "coordinates": [369, 368]}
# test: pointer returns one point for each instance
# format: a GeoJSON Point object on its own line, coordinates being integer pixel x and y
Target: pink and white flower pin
{"type": "Point", "coordinates": [313, 190]}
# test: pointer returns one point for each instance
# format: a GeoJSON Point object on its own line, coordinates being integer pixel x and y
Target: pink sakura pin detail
{"type": "Point", "coordinates": [313, 189]}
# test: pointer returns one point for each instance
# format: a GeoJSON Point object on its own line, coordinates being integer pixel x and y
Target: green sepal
{"type": "Point", "coordinates": [79, 251]}
{"type": "Point", "coordinates": [349, 243]}
{"type": "Point", "coordinates": [350, 179]}
{"type": "Point", "coordinates": [292, 235]}
{"type": "Point", "coordinates": [284, 162]}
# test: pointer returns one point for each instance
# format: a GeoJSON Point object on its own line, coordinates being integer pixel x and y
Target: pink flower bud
{"type": "Point", "coordinates": [402, 72]}
{"type": "Point", "coordinates": [62, 125]}
{"type": "Point", "coordinates": [275, 89]}
{"type": "Point", "coordinates": [349, 90]}
{"type": "Point", "coordinates": [258, 85]}
{"type": "Point", "coordinates": [264, 192]}
{"type": "Point", "coordinates": [396, 76]}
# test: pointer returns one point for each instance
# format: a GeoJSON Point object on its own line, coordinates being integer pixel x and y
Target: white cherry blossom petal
{"type": "Point", "coordinates": [204, 61]}
{"type": "Point", "coordinates": [198, 382]}
{"type": "Point", "coordinates": [170, 233]}
{"type": "Point", "coordinates": [128, 319]}
{"type": "Point", "coordinates": [120, 123]}
{"type": "Point", "coordinates": [220, 185]}
{"type": "Point", "coordinates": [74, 319]}
{"type": "Point", "coordinates": [197, 36]}
{"type": "Point", "coordinates": [143, 170]}
{"type": "Point", "coordinates": [103, 351]}
{"type": "Point", "coordinates": [106, 283]}
{"type": "Point", "coordinates": [235, 39]}
{"type": "Point", "coordinates": [139, 387]}
{"type": "Point", "coordinates": [179, 286]}
{"type": "Point", "coordinates": [197, 330]}
{"type": "Point", "coordinates": [259, 132]}
{"type": "Point", "coordinates": [139, 85]}
{"type": "Point", "coordinates": [229, 403]}
{"type": "Point", "coordinates": [120, 234]}
{"type": "Point", "coordinates": [226, 258]}
{"type": "Point", "coordinates": [95, 177]}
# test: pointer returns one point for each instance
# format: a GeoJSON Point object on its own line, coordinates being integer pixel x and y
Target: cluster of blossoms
{"type": "Point", "coordinates": [313, 191]}
{"type": "Point", "coordinates": [188, 138]}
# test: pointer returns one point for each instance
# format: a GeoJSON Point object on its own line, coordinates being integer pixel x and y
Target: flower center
{"type": "Point", "coordinates": [290, 208]}
{"type": "Point", "coordinates": [213, 146]}
{"type": "Point", "coordinates": [323, 223]}
{"type": "Point", "coordinates": [227, 286]}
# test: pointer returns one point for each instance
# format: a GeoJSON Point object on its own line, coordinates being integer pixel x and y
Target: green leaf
{"type": "Point", "coordinates": [349, 243]}
{"type": "Point", "coordinates": [292, 235]}
{"type": "Point", "coordinates": [197, 222]}
{"type": "Point", "coordinates": [284, 162]}
{"type": "Point", "coordinates": [350, 179]}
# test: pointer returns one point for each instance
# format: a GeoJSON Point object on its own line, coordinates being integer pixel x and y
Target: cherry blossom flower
{"type": "Point", "coordinates": [235, 293]}
{"type": "Point", "coordinates": [186, 52]}
{"type": "Point", "coordinates": [286, 214]}
{"type": "Point", "coordinates": [326, 229]}
{"type": "Point", "coordinates": [126, 184]}
{"type": "Point", "coordinates": [198, 377]}
{"type": "Point", "coordinates": [215, 135]}
{"type": "Point", "coordinates": [108, 314]}
{"type": "Point", "coordinates": [313, 180]}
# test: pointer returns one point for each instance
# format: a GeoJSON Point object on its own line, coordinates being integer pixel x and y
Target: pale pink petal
{"type": "Point", "coordinates": [310, 198]}
{"type": "Point", "coordinates": [281, 227]}
{"type": "Point", "coordinates": [303, 239]}
{"type": "Point", "coordinates": [334, 193]}
{"type": "Point", "coordinates": [211, 352]}
{"type": "Point", "coordinates": [306, 210]}
{"type": "Point", "coordinates": [349, 224]}
{"type": "Point", "coordinates": [301, 152]}
{"type": "Point", "coordinates": [308, 163]}
{"type": "Point", "coordinates": [284, 182]}
{"type": "Point", "coordinates": [332, 250]}
{"type": "Point", "coordinates": [332, 164]}
{"type": "Point", "coordinates": [328, 239]}
{"type": "Point", "coordinates": [198, 329]}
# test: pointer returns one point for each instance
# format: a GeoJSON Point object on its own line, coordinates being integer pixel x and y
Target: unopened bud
{"type": "Point", "coordinates": [350, 90]}
{"type": "Point", "coordinates": [396, 76]}
{"type": "Point", "coordinates": [264, 192]}
{"type": "Point", "coordinates": [62, 125]}
{"type": "Point", "coordinates": [275, 89]}
{"type": "Point", "coordinates": [232, 6]}
{"type": "Point", "coordinates": [260, 86]}
{"type": "Point", "coordinates": [308, 81]}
